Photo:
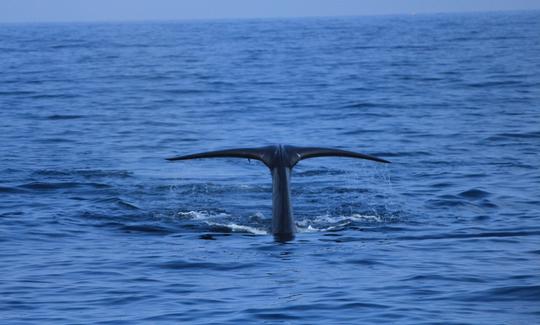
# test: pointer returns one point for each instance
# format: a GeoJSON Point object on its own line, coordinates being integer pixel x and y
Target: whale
{"type": "Point", "coordinates": [280, 159]}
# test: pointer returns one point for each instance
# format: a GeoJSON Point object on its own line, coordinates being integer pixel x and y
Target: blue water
{"type": "Point", "coordinates": [96, 227]}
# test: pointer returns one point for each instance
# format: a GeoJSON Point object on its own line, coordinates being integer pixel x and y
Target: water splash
{"type": "Point", "coordinates": [258, 224]}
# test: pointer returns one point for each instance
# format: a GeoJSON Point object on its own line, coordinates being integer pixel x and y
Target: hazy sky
{"type": "Point", "coordinates": [119, 10]}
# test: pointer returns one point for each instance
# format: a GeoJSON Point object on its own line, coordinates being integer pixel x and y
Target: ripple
{"type": "Point", "coordinates": [507, 293]}
{"type": "Point", "coordinates": [499, 83]}
{"type": "Point", "coordinates": [182, 264]}
{"type": "Point", "coordinates": [317, 172]}
{"type": "Point", "coordinates": [64, 117]}
{"type": "Point", "coordinates": [364, 262]}
{"type": "Point", "coordinates": [362, 105]}
{"type": "Point", "coordinates": [336, 223]}
{"type": "Point", "coordinates": [494, 234]}
{"type": "Point", "coordinates": [514, 136]}
{"type": "Point", "coordinates": [60, 185]}
{"type": "Point", "coordinates": [5, 189]}
{"type": "Point", "coordinates": [120, 202]}
{"type": "Point", "coordinates": [474, 194]}
{"type": "Point", "coordinates": [16, 93]}
{"type": "Point", "coordinates": [87, 173]}
{"type": "Point", "coordinates": [149, 229]}
{"type": "Point", "coordinates": [438, 277]}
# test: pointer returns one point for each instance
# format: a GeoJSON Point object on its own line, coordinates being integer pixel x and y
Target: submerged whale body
{"type": "Point", "coordinates": [280, 159]}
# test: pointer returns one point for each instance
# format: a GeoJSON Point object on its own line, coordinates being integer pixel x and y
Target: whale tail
{"type": "Point", "coordinates": [289, 155]}
{"type": "Point", "coordinates": [248, 153]}
{"type": "Point", "coordinates": [280, 160]}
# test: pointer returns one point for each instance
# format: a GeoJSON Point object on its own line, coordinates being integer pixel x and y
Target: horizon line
{"type": "Point", "coordinates": [171, 20]}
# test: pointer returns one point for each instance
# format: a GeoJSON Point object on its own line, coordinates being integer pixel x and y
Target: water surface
{"type": "Point", "coordinates": [96, 227]}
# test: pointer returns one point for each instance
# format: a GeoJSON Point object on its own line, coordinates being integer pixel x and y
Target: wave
{"type": "Point", "coordinates": [474, 194]}
{"type": "Point", "coordinates": [501, 83]}
{"type": "Point", "coordinates": [490, 234]}
{"type": "Point", "coordinates": [64, 117]}
{"type": "Point", "coordinates": [508, 293]}
{"type": "Point", "coordinates": [6, 189]}
{"type": "Point", "coordinates": [87, 173]}
{"type": "Point", "coordinates": [183, 264]}
{"type": "Point", "coordinates": [119, 202]}
{"type": "Point", "coordinates": [513, 136]}
{"type": "Point", "coordinates": [362, 105]}
{"type": "Point", "coordinates": [149, 229]}
{"type": "Point", "coordinates": [60, 185]}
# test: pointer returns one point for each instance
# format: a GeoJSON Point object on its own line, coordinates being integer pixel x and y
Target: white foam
{"type": "Point", "coordinates": [328, 219]}
{"type": "Point", "coordinates": [200, 215]}
{"type": "Point", "coordinates": [309, 229]}
{"type": "Point", "coordinates": [252, 230]}
{"type": "Point", "coordinates": [327, 222]}
{"type": "Point", "coordinates": [238, 228]}
{"type": "Point", "coordinates": [363, 217]}
{"type": "Point", "coordinates": [315, 224]}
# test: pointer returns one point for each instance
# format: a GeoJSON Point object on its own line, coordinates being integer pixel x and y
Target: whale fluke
{"type": "Point", "coordinates": [313, 152]}
{"type": "Point", "coordinates": [280, 159]}
{"type": "Point", "coordinates": [260, 154]}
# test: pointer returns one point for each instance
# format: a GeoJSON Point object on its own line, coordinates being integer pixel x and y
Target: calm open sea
{"type": "Point", "coordinates": [96, 227]}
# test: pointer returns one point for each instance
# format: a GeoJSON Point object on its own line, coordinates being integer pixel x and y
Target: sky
{"type": "Point", "coordinates": [128, 10]}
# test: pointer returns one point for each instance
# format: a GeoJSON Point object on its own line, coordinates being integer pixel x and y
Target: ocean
{"type": "Point", "coordinates": [97, 227]}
